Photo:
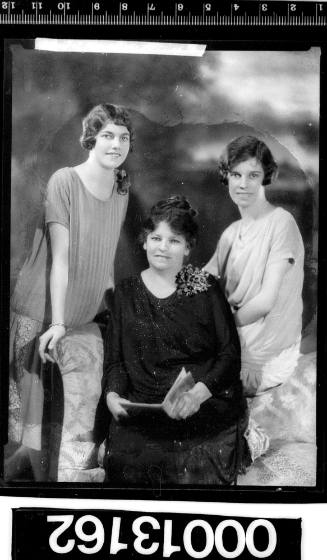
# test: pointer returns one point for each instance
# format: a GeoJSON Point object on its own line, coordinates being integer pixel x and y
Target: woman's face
{"type": "Point", "coordinates": [112, 145]}
{"type": "Point", "coordinates": [165, 249]}
{"type": "Point", "coordinates": [245, 182]}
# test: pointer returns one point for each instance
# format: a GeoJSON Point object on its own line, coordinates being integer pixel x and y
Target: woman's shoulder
{"type": "Point", "coordinates": [127, 285]}
{"type": "Point", "coordinates": [283, 220]}
{"type": "Point", "coordinates": [230, 231]}
{"type": "Point", "coordinates": [62, 178]}
{"type": "Point", "coordinates": [63, 173]}
{"type": "Point", "coordinates": [214, 284]}
{"type": "Point", "coordinates": [281, 216]}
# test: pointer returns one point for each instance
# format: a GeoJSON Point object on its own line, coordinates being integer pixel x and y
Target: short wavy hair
{"type": "Point", "coordinates": [98, 117]}
{"type": "Point", "coordinates": [242, 149]}
{"type": "Point", "coordinates": [178, 213]}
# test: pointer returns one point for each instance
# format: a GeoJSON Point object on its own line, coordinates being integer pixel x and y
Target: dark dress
{"type": "Point", "coordinates": [148, 342]}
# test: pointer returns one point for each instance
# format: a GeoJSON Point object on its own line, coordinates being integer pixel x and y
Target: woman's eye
{"type": "Point", "coordinates": [175, 241]}
{"type": "Point", "coordinates": [125, 139]}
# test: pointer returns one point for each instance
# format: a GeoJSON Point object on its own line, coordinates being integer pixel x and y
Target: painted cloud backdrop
{"type": "Point", "coordinates": [185, 111]}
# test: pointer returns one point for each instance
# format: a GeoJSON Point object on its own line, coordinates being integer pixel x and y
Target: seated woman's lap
{"type": "Point", "coordinates": [137, 457]}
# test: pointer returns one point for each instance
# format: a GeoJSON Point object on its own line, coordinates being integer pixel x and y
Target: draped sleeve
{"type": "Point", "coordinates": [225, 369]}
{"type": "Point", "coordinates": [115, 374]}
{"type": "Point", "coordinates": [286, 241]}
{"type": "Point", "coordinates": [57, 200]}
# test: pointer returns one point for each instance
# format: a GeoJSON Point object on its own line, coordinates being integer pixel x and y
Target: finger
{"type": "Point", "coordinates": [184, 412]}
{"type": "Point", "coordinates": [42, 346]}
{"type": "Point", "coordinates": [48, 357]}
{"type": "Point", "coordinates": [178, 405]}
{"type": "Point", "coordinates": [171, 412]}
{"type": "Point", "coordinates": [42, 355]}
{"type": "Point", "coordinates": [123, 412]}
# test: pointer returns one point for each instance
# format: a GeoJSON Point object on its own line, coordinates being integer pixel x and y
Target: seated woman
{"type": "Point", "coordinates": [169, 317]}
{"type": "Point", "coordinates": [259, 259]}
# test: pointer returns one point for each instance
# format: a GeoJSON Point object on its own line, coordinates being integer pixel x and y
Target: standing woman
{"type": "Point", "coordinates": [259, 259]}
{"type": "Point", "coordinates": [71, 264]}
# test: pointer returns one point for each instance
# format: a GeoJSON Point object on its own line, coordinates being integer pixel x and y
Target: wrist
{"type": "Point", "coordinates": [112, 395]}
{"type": "Point", "coordinates": [57, 324]}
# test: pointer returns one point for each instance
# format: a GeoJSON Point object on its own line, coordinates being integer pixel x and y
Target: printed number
{"type": "Point", "coordinates": [236, 7]}
{"type": "Point", "coordinates": [244, 539]}
{"type": "Point", "coordinates": [180, 7]}
{"type": "Point", "coordinates": [96, 6]}
{"type": "Point", "coordinates": [293, 7]}
{"type": "Point", "coordinates": [272, 538]}
{"type": "Point", "coordinates": [124, 7]}
{"type": "Point", "coordinates": [66, 521]}
{"type": "Point", "coordinates": [6, 5]}
{"type": "Point", "coordinates": [264, 7]}
{"type": "Point", "coordinates": [207, 7]}
{"type": "Point", "coordinates": [63, 6]}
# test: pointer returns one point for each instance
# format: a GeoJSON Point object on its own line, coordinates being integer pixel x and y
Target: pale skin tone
{"type": "Point", "coordinates": [111, 147]}
{"type": "Point", "coordinates": [246, 190]}
{"type": "Point", "coordinates": [166, 251]}
{"type": "Point", "coordinates": [98, 175]}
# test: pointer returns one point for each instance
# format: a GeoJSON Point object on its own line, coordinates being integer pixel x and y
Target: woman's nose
{"type": "Point", "coordinates": [163, 245]}
{"type": "Point", "coordinates": [243, 182]}
{"type": "Point", "coordinates": [116, 142]}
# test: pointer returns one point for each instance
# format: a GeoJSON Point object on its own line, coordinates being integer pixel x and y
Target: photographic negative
{"type": "Point", "coordinates": [185, 111]}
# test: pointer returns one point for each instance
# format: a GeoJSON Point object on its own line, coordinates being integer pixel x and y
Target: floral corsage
{"type": "Point", "coordinates": [192, 280]}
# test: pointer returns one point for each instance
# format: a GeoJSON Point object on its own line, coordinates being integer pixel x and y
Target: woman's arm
{"type": "Point", "coordinates": [226, 364]}
{"type": "Point", "coordinates": [259, 306]}
{"type": "Point", "coordinates": [59, 237]}
{"type": "Point", "coordinates": [114, 375]}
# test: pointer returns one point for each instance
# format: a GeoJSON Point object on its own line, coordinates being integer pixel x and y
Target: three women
{"type": "Point", "coordinates": [170, 316]}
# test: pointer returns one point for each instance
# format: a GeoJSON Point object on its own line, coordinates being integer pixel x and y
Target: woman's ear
{"type": "Point", "coordinates": [274, 176]}
{"type": "Point", "coordinates": [187, 250]}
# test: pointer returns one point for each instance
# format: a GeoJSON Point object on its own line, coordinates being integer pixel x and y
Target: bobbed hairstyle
{"type": "Point", "coordinates": [178, 213]}
{"type": "Point", "coordinates": [98, 117]}
{"type": "Point", "coordinates": [242, 149]}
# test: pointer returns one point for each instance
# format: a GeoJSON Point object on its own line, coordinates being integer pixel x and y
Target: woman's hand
{"type": "Point", "coordinates": [48, 342]}
{"type": "Point", "coordinates": [115, 405]}
{"type": "Point", "coordinates": [186, 405]}
{"type": "Point", "coordinates": [189, 402]}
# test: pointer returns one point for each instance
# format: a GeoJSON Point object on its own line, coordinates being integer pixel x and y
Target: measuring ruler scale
{"type": "Point", "coordinates": [159, 13]}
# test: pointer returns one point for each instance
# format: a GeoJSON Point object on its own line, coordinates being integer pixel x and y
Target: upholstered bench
{"type": "Point", "coordinates": [80, 360]}
{"type": "Point", "coordinates": [287, 413]}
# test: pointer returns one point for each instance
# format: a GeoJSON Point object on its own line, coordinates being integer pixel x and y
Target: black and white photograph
{"type": "Point", "coordinates": [163, 265]}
